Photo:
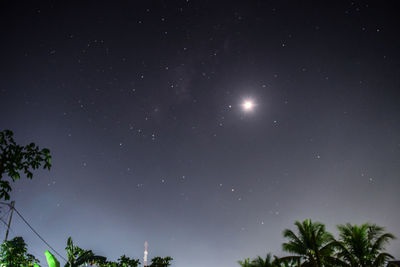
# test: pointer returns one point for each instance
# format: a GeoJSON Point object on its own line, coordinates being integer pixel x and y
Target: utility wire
{"type": "Point", "coordinates": [1, 219]}
{"type": "Point", "coordinates": [12, 230]}
{"type": "Point", "coordinates": [5, 214]}
{"type": "Point", "coordinates": [41, 238]}
{"type": "Point", "coordinates": [33, 230]}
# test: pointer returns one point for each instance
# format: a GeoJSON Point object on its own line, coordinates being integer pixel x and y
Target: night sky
{"type": "Point", "coordinates": [203, 127]}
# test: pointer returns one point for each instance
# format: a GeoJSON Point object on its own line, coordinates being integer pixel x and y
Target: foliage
{"type": "Point", "coordinates": [161, 262]}
{"type": "Point", "coordinates": [51, 260]}
{"type": "Point", "coordinates": [312, 246]}
{"type": "Point", "coordinates": [78, 256]}
{"type": "Point", "coordinates": [363, 245]}
{"type": "Point", "coordinates": [123, 261]}
{"type": "Point", "coordinates": [245, 263]}
{"type": "Point", "coordinates": [14, 253]}
{"type": "Point", "coordinates": [15, 159]}
{"type": "Point", "coordinates": [269, 262]}
{"type": "Point", "coordinates": [311, 243]}
{"type": "Point", "coordinates": [260, 262]}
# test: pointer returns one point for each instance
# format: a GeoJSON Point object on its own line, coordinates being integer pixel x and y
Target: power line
{"type": "Point", "coordinates": [34, 231]}
{"type": "Point", "coordinates": [41, 238]}
{"type": "Point", "coordinates": [15, 234]}
{"type": "Point", "coordinates": [1, 219]}
{"type": "Point", "coordinates": [5, 214]}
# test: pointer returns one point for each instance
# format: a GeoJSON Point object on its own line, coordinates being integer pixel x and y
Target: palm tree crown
{"type": "Point", "coordinates": [363, 245]}
{"type": "Point", "coordinates": [311, 243]}
{"type": "Point", "coordinates": [245, 263]}
{"type": "Point", "coordinates": [267, 262]}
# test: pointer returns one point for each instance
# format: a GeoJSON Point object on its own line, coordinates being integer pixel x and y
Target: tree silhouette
{"type": "Point", "coordinates": [123, 261]}
{"type": "Point", "coordinates": [363, 245]}
{"type": "Point", "coordinates": [245, 263]}
{"type": "Point", "coordinates": [78, 256]}
{"type": "Point", "coordinates": [267, 262]}
{"type": "Point", "coordinates": [14, 253]}
{"type": "Point", "coordinates": [15, 159]}
{"type": "Point", "coordinates": [311, 244]}
{"type": "Point", "coordinates": [161, 262]}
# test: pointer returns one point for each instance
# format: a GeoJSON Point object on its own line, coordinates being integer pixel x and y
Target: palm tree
{"type": "Point", "coordinates": [267, 262]}
{"type": "Point", "coordinates": [260, 262]}
{"type": "Point", "coordinates": [363, 245]}
{"type": "Point", "coordinates": [311, 244]}
{"type": "Point", "coordinates": [245, 263]}
{"type": "Point", "coordinates": [291, 261]}
{"type": "Point", "coordinates": [78, 256]}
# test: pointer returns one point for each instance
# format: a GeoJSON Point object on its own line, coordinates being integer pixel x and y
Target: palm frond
{"type": "Point", "coordinates": [381, 259]}
{"type": "Point", "coordinates": [381, 241]}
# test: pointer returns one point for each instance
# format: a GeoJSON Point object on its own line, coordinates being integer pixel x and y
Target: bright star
{"type": "Point", "coordinates": [248, 105]}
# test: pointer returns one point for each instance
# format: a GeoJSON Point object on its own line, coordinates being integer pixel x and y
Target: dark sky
{"type": "Point", "coordinates": [140, 103]}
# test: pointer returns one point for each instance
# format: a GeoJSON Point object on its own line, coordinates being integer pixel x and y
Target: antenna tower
{"type": "Point", "coordinates": [145, 255]}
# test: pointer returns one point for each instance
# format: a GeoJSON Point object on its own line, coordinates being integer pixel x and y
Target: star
{"type": "Point", "coordinates": [248, 105]}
